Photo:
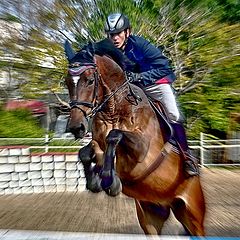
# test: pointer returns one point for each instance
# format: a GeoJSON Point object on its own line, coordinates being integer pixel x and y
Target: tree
{"type": "Point", "coordinates": [200, 37]}
{"type": "Point", "coordinates": [38, 61]}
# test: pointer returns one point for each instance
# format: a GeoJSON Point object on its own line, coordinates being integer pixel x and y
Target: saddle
{"type": "Point", "coordinates": [168, 134]}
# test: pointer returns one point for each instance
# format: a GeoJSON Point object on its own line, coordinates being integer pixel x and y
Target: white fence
{"type": "Point", "coordinates": [209, 150]}
{"type": "Point", "coordinates": [25, 172]}
{"type": "Point", "coordinates": [216, 151]}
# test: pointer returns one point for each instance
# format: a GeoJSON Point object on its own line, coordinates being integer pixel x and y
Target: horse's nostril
{"type": "Point", "coordinates": [82, 127]}
{"type": "Point", "coordinates": [78, 131]}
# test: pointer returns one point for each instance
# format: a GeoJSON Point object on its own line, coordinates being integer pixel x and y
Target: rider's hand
{"type": "Point", "coordinates": [134, 77]}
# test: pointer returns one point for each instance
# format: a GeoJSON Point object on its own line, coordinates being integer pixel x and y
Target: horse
{"type": "Point", "coordinates": [129, 151]}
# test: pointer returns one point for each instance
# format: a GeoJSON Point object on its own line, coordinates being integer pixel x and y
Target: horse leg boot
{"type": "Point", "coordinates": [110, 182]}
{"type": "Point", "coordinates": [190, 163]}
{"type": "Point", "coordinates": [87, 156]}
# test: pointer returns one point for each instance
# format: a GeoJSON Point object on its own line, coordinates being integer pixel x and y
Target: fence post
{"type": "Point", "coordinates": [47, 129]}
{"type": "Point", "coordinates": [201, 149]}
{"type": "Point", "coordinates": [46, 142]}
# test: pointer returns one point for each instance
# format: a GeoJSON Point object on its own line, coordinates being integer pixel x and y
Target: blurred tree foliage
{"type": "Point", "coordinates": [33, 51]}
{"type": "Point", "coordinates": [201, 38]}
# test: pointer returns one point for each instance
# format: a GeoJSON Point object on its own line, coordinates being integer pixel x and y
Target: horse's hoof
{"type": "Point", "coordinates": [107, 178]}
{"type": "Point", "coordinates": [115, 188]}
{"type": "Point", "coordinates": [95, 184]}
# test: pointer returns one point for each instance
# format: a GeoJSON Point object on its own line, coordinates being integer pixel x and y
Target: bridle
{"type": "Point", "coordinates": [75, 70]}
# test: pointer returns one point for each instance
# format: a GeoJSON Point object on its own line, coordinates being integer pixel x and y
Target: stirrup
{"type": "Point", "coordinates": [190, 165]}
{"type": "Point", "coordinates": [190, 169]}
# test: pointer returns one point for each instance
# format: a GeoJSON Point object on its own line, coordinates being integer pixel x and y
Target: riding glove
{"type": "Point", "coordinates": [134, 77]}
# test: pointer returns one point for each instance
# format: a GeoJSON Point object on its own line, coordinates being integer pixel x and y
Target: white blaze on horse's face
{"type": "Point", "coordinates": [75, 79]}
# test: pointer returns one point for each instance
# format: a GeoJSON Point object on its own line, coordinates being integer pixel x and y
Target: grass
{"type": "Point", "coordinates": [41, 143]}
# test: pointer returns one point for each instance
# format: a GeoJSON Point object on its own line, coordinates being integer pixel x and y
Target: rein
{"type": "Point", "coordinates": [95, 108]}
{"type": "Point", "coordinates": [100, 106]}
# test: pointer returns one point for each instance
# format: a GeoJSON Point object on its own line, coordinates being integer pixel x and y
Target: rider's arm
{"type": "Point", "coordinates": [153, 65]}
{"type": "Point", "coordinates": [160, 69]}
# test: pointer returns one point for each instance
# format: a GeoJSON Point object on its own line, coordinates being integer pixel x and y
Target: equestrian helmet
{"type": "Point", "coordinates": [116, 23]}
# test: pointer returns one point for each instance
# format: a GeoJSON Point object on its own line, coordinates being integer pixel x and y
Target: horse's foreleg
{"type": "Point", "coordinates": [87, 156]}
{"type": "Point", "coordinates": [151, 216]}
{"type": "Point", "coordinates": [110, 181]}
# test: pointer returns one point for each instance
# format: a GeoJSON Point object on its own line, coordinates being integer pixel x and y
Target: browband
{"type": "Point", "coordinates": [76, 71]}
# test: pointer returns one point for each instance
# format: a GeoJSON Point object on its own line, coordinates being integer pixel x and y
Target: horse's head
{"type": "Point", "coordinates": [86, 72]}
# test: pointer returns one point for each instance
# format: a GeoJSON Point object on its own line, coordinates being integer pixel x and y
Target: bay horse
{"type": "Point", "coordinates": [128, 152]}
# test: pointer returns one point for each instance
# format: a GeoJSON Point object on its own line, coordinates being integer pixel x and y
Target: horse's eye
{"type": "Point", "coordinates": [90, 81]}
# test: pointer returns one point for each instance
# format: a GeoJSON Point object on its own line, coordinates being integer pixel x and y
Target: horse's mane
{"type": "Point", "coordinates": [104, 47]}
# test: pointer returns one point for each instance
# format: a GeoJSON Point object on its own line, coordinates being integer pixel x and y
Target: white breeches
{"type": "Point", "coordinates": [164, 94]}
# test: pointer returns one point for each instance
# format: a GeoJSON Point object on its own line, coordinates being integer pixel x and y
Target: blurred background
{"type": "Point", "coordinates": [202, 39]}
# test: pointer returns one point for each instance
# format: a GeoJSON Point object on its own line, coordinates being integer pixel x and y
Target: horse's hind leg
{"type": "Point", "coordinates": [88, 155]}
{"type": "Point", "coordinates": [192, 223]}
{"type": "Point", "coordinates": [189, 209]}
{"type": "Point", "coordinates": [151, 216]}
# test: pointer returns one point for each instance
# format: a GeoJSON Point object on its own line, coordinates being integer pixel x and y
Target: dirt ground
{"type": "Point", "coordinates": [88, 212]}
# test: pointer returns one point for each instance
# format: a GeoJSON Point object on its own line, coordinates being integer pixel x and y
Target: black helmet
{"type": "Point", "coordinates": [116, 23]}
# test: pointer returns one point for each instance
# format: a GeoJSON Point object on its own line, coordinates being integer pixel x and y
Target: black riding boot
{"type": "Point", "coordinates": [190, 163]}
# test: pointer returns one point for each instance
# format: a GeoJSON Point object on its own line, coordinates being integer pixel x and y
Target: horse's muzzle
{"type": "Point", "coordinates": [79, 131]}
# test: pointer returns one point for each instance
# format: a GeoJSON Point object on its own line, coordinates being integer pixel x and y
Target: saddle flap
{"type": "Point", "coordinates": [163, 120]}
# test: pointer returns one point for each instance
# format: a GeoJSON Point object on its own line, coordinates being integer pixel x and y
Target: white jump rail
{"type": "Point", "coordinates": [9, 234]}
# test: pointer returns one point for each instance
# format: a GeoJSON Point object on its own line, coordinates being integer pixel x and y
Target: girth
{"type": "Point", "coordinates": [167, 148]}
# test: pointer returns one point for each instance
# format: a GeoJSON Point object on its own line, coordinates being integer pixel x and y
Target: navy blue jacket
{"type": "Point", "coordinates": [148, 60]}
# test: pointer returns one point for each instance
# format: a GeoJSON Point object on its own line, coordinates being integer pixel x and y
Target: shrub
{"type": "Point", "coordinates": [19, 124]}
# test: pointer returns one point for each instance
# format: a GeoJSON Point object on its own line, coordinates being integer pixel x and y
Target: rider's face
{"type": "Point", "coordinates": [119, 38]}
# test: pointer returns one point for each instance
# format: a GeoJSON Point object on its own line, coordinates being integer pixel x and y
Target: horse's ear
{"type": "Point", "coordinates": [68, 50]}
{"type": "Point", "coordinates": [90, 49]}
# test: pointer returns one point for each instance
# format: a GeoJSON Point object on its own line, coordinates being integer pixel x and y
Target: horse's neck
{"type": "Point", "coordinates": [113, 94]}
{"type": "Point", "coordinates": [120, 111]}
{"type": "Point", "coordinates": [111, 79]}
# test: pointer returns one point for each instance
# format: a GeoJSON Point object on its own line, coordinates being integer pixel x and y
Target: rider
{"type": "Point", "coordinates": [150, 70]}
